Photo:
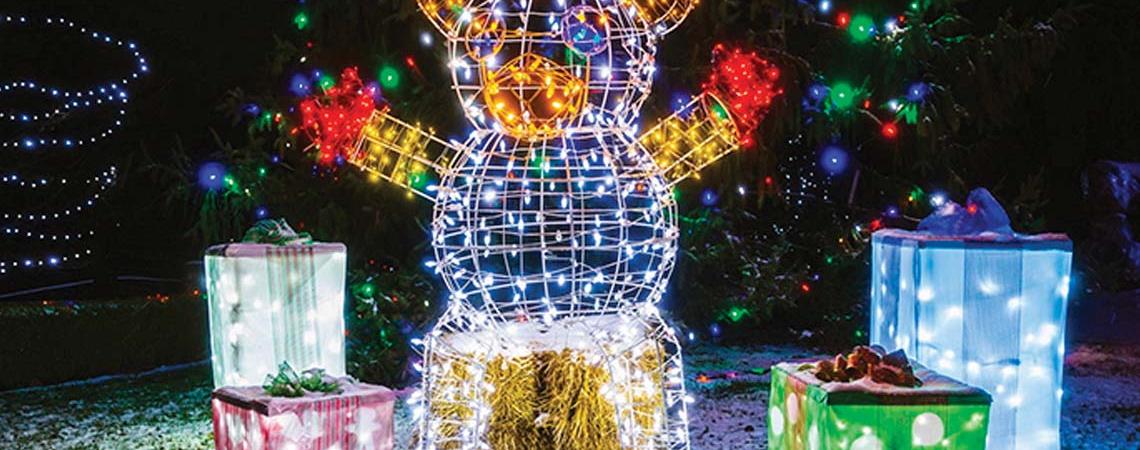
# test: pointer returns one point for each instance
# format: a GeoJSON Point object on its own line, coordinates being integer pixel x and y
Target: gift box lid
{"type": "Point", "coordinates": [1044, 241]}
{"type": "Point", "coordinates": [256, 250]}
{"type": "Point", "coordinates": [255, 397]}
{"type": "Point", "coordinates": [936, 389]}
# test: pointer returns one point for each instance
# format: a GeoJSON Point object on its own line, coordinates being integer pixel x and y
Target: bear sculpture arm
{"type": "Point", "coordinates": [692, 138]}
{"type": "Point", "coordinates": [735, 98]}
{"type": "Point", "coordinates": [346, 124]}
{"type": "Point", "coordinates": [403, 154]}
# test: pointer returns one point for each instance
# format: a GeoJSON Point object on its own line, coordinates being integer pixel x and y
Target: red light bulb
{"type": "Point", "coordinates": [890, 130]}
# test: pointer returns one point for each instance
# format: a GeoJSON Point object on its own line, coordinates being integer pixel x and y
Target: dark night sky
{"type": "Point", "coordinates": [1086, 110]}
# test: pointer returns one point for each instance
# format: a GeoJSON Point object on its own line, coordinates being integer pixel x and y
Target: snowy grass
{"type": "Point", "coordinates": [169, 409]}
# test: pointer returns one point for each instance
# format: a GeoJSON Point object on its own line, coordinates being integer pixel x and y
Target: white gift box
{"type": "Point", "coordinates": [988, 310]}
{"type": "Point", "coordinates": [275, 303]}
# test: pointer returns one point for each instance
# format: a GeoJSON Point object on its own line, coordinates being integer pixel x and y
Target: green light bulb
{"type": "Point", "coordinates": [326, 82]}
{"type": "Point", "coordinates": [842, 95]}
{"type": "Point", "coordinates": [301, 20]}
{"type": "Point", "coordinates": [861, 28]}
{"type": "Point", "coordinates": [737, 313]}
{"type": "Point", "coordinates": [389, 77]}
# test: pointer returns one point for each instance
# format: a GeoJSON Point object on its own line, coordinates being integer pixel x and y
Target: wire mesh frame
{"type": "Point", "coordinates": [394, 151]}
{"type": "Point", "coordinates": [698, 134]}
{"type": "Point", "coordinates": [617, 75]}
{"type": "Point", "coordinates": [554, 229]}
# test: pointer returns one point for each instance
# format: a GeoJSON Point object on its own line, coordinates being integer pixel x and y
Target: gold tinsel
{"type": "Point", "coordinates": [551, 400]}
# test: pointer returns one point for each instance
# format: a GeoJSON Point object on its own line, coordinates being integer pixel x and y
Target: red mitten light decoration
{"type": "Point", "coordinates": [333, 120]}
{"type": "Point", "coordinates": [746, 84]}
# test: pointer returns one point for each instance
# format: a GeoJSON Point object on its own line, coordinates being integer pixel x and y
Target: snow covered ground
{"type": "Point", "coordinates": [168, 409]}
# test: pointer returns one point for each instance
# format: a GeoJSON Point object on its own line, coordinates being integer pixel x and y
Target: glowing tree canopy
{"type": "Point", "coordinates": [554, 226]}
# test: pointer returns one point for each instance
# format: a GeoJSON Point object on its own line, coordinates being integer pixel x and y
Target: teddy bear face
{"type": "Point", "coordinates": [540, 69]}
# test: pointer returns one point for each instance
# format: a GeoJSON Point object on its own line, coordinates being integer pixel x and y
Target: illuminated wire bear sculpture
{"type": "Point", "coordinates": [554, 224]}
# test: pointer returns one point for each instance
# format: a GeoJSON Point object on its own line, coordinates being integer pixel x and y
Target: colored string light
{"type": "Point", "coordinates": [111, 93]}
{"type": "Point", "coordinates": [389, 78]}
{"type": "Point", "coordinates": [842, 96]}
{"type": "Point", "coordinates": [833, 159]}
{"type": "Point", "coordinates": [301, 20]}
{"type": "Point", "coordinates": [843, 19]}
{"type": "Point", "coordinates": [862, 28]}
{"type": "Point", "coordinates": [890, 130]}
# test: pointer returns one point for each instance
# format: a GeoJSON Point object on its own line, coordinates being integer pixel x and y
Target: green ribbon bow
{"type": "Point", "coordinates": [275, 231]}
{"type": "Point", "coordinates": [287, 383]}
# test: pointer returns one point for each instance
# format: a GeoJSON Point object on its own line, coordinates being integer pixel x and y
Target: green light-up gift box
{"type": "Point", "coordinates": [806, 413]}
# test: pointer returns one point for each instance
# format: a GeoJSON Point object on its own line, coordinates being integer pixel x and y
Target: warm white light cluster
{"type": "Point", "coordinates": [989, 313]}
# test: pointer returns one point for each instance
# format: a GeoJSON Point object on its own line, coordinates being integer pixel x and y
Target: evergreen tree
{"type": "Point", "coordinates": [889, 106]}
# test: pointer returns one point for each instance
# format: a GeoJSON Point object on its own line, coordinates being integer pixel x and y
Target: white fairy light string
{"type": "Point", "coordinates": [102, 183]}
{"type": "Point", "coordinates": [51, 260]}
{"type": "Point", "coordinates": [25, 233]}
{"type": "Point", "coordinates": [38, 128]}
{"type": "Point", "coordinates": [14, 179]}
{"type": "Point", "coordinates": [112, 93]}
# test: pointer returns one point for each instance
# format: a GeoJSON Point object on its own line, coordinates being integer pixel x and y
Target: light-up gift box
{"type": "Point", "coordinates": [275, 303]}
{"type": "Point", "coordinates": [359, 417]}
{"type": "Point", "coordinates": [987, 309]}
{"type": "Point", "coordinates": [805, 413]}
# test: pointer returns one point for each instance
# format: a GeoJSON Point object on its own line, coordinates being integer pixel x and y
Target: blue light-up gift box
{"type": "Point", "coordinates": [987, 309]}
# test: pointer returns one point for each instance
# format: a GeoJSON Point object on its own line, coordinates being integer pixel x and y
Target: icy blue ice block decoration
{"type": "Point", "coordinates": [987, 309]}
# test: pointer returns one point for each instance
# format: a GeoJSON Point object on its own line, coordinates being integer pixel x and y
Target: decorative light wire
{"type": "Point", "coordinates": [101, 184]}
{"type": "Point", "coordinates": [555, 225]}
{"type": "Point", "coordinates": [13, 179]}
{"type": "Point", "coordinates": [51, 260]}
{"type": "Point", "coordinates": [25, 233]}
{"type": "Point", "coordinates": [113, 93]}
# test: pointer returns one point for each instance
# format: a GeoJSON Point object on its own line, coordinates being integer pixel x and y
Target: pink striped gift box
{"type": "Point", "coordinates": [358, 418]}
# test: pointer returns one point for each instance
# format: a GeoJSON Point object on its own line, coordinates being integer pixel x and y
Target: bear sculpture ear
{"type": "Point", "coordinates": [662, 15]}
{"type": "Point", "coordinates": [448, 16]}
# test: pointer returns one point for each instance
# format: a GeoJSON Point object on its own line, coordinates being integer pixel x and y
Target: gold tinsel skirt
{"type": "Point", "coordinates": [595, 384]}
